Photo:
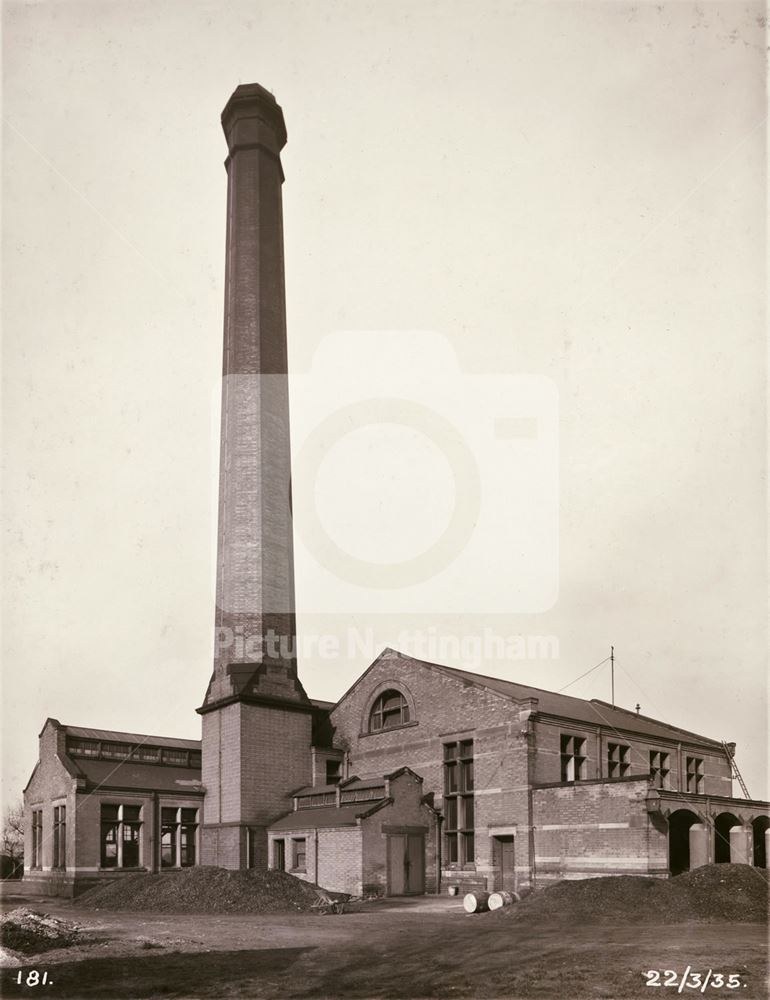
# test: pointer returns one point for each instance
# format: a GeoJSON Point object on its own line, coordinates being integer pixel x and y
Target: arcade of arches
{"type": "Point", "coordinates": [696, 839]}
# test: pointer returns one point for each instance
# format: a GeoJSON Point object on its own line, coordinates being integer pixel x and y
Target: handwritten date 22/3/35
{"type": "Point", "coordinates": [690, 980]}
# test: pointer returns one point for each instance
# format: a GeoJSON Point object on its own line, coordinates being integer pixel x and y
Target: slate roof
{"type": "Point", "coordinates": [362, 781]}
{"type": "Point", "coordinates": [325, 816]}
{"type": "Point", "coordinates": [315, 790]}
{"type": "Point", "coordinates": [114, 736]}
{"type": "Point", "coordinates": [595, 712]}
{"type": "Point", "coordinates": [134, 774]}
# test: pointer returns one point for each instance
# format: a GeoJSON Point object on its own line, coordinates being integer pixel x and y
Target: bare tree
{"type": "Point", "coordinates": [12, 841]}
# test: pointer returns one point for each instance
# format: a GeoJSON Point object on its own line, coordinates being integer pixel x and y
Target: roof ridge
{"type": "Point", "coordinates": [121, 732]}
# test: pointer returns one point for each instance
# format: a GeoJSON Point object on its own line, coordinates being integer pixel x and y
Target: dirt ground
{"type": "Point", "coordinates": [423, 947]}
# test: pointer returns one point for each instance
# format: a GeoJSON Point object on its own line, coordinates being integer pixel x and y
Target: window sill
{"type": "Point", "coordinates": [139, 868]}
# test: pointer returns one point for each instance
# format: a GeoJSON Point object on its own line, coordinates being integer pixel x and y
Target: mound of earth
{"type": "Point", "coordinates": [204, 889]}
{"type": "Point", "coordinates": [29, 932]}
{"type": "Point", "coordinates": [724, 892]}
{"type": "Point", "coordinates": [9, 959]}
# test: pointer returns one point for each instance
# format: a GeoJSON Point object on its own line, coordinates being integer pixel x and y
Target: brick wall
{"type": "Point", "coordinates": [407, 811]}
{"type": "Point", "coordinates": [441, 706]}
{"type": "Point", "coordinates": [599, 828]}
{"type": "Point", "coordinates": [254, 756]}
{"type": "Point", "coordinates": [51, 785]}
{"type": "Point", "coordinates": [275, 760]}
{"type": "Point", "coordinates": [717, 772]}
{"type": "Point", "coordinates": [340, 860]}
{"type": "Point", "coordinates": [332, 854]}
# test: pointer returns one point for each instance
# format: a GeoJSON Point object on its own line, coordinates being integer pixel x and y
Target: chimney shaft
{"type": "Point", "coordinates": [255, 620]}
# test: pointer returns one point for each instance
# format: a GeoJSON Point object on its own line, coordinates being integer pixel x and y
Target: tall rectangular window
{"type": "Point", "coordinates": [299, 854]}
{"type": "Point", "coordinates": [188, 837]}
{"type": "Point", "coordinates": [573, 759]}
{"type": "Point", "coordinates": [694, 774]}
{"type": "Point", "coordinates": [459, 816]}
{"type": "Point", "coordinates": [121, 829]}
{"type": "Point", "coordinates": [37, 838]}
{"type": "Point", "coordinates": [59, 836]}
{"type": "Point", "coordinates": [169, 836]}
{"type": "Point", "coordinates": [659, 768]}
{"type": "Point", "coordinates": [617, 759]}
{"type": "Point", "coordinates": [178, 837]}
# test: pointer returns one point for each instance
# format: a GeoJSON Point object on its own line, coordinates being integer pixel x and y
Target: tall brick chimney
{"type": "Point", "coordinates": [256, 715]}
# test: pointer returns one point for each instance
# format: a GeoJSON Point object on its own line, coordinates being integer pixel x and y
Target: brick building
{"type": "Point", "coordinates": [100, 803]}
{"type": "Point", "coordinates": [420, 776]}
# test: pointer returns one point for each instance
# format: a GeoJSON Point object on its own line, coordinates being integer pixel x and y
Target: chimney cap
{"type": "Point", "coordinates": [251, 100]}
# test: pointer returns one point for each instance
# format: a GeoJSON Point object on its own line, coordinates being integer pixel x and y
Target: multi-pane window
{"type": "Point", "coordinates": [178, 836]}
{"type": "Point", "coordinates": [83, 748]}
{"type": "Point", "coordinates": [37, 838]}
{"type": "Point", "coordinates": [659, 768]}
{"type": "Point", "coordinates": [694, 774]}
{"type": "Point", "coordinates": [299, 854]}
{"type": "Point", "coordinates": [573, 759]}
{"type": "Point", "coordinates": [390, 709]}
{"type": "Point", "coordinates": [459, 821]}
{"type": "Point", "coordinates": [145, 752]}
{"type": "Point", "coordinates": [59, 836]}
{"type": "Point", "coordinates": [617, 759]}
{"type": "Point", "coordinates": [120, 836]}
{"type": "Point", "coordinates": [333, 771]}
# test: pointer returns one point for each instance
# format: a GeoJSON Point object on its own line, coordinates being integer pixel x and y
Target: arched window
{"type": "Point", "coordinates": [390, 709]}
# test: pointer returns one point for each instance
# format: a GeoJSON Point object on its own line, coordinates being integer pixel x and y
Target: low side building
{"type": "Point", "coordinates": [101, 804]}
{"type": "Point", "coordinates": [363, 836]}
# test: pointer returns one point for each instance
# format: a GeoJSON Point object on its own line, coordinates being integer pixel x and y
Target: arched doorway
{"type": "Point", "coordinates": [679, 824]}
{"type": "Point", "coordinates": [759, 827]}
{"type": "Point", "coordinates": [723, 824]}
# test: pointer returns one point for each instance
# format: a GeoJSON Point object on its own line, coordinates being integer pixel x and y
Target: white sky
{"type": "Point", "coordinates": [570, 191]}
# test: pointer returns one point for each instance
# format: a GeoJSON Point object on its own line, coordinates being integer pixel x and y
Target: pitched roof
{"type": "Point", "coordinates": [114, 736]}
{"type": "Point", "coordinates": [133, 774]}
{"type": "Point", "coordinates": [594, 712]}
{"type": "Point", "coordinates": [315, 790]}
{"type": "Point", "coordinates": [325, 816]}
{"type": "Point", "coordinates": [362, 781]}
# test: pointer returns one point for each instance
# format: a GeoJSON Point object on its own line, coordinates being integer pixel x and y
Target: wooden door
{"type": "Point", "coordinates": [397, 848]}
{"type": "Point", "coordinates": [415, 864]}
{"type": "Point", "coordinates": [505, 858]}
{"type": "Point", "coordinates": [406, 864]}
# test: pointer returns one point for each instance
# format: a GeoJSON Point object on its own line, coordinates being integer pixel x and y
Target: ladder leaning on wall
{"type": "Point", "coordinates": [735, 771]}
